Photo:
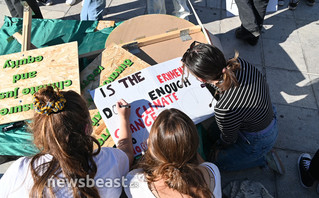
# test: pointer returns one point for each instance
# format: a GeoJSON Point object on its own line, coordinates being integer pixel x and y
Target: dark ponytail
{"type": "Point", "coordinates": [208, 63]}
{"type": "Point", "coordinates": [229, 77]}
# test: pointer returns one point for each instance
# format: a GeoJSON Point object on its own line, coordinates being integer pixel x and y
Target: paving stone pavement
{"type": "Point", "coordinates": [287, 54]}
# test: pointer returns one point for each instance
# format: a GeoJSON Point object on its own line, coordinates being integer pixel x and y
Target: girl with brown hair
{"type": "Point", "coordinates": [244, 112]}
{"type": "Point", "coordinates": [67, 165]}
{"type": "Point", "coordinates": [171, 166]}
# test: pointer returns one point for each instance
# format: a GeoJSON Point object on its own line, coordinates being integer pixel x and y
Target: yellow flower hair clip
{"type": "Point", "coordinates": [49, 107]}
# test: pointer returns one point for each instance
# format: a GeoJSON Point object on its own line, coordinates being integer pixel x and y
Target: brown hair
{"type": "Point", "coordinates": [172, 154]}
{"type": "Point", "coordinates": [65, 135]}
{"type": "Point", "coordinates": [208, 62]}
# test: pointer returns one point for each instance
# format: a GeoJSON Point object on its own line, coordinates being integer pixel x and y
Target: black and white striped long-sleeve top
{"type": "Point", "coordinates": [246, 107]}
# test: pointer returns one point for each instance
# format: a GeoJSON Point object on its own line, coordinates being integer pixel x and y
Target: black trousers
{"type": "Point", "coordinates": [314, 166]}
{"type": "Point", "coordinates": [16, 9]}
{"type": "Point", "coordinates": [252, 14]}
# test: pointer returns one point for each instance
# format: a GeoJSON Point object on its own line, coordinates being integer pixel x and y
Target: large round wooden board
{"type": "Point", "coordinates": [151, 25]}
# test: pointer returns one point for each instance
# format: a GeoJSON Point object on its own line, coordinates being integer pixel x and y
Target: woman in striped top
{"type": "Point", "coordinates": [243, 112]}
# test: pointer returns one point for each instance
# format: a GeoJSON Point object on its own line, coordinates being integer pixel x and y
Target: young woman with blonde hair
{"type": "Point", "coordinates": [171, 166]}
{"type": "Point", "coordinates": [67, 165]}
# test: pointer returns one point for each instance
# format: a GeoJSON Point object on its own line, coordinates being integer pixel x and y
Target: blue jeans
{"type": "Point", "coordinates": [92, 10]}
{"type": "Point", "coordinates": [243, 155]}
{"type": "Point", "coordinates": [158, 7]}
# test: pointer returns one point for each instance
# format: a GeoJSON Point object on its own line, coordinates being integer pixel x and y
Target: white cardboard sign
{"type": "Point", "coordinates": [149, 92]}
{"type": "Point", "coordinates": [232, 9]}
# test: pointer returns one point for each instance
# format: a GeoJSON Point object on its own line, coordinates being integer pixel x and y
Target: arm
{"type": "Point", "coordinates": [125, 137]}
{"type": "Point", "coordinates": [228, 123]}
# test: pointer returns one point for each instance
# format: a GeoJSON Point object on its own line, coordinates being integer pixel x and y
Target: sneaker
{"type": "Point", "coordinates": [274, 162]}
{"type": "Point", "coordinates": [70, 2]}
{"type": "Point", "coordinates": [46, 2]}
{"type": "Point", "coordinates": [293, 4]}
{"type": "Point", "coordinates": [303, 165]}
{"type": "Point", "coordinates": [281, 2]}
{"type": "Point", "coordinates": [311, 2]}
{"type": "Point", "coordinates": [243, 34]}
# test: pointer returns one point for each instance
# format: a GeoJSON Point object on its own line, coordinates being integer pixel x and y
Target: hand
{"type": "Point", "coordinates": [124, 112]}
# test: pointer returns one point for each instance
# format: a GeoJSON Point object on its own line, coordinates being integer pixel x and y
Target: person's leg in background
{"type": "Point", "coordinates": [260, 7]}
{"type": "Point", "coordinates": [180, 9]}
{"type": "Point", "coordinates": [92, 10]}
{"type": "Point", "coordinates": [35, 8]}
{"type": "Point", "coordinates": [15, 8]}
{"type": "Point", "coordinates": [251, 14]}
{"type": "Point", "coordinates": [156, 7]}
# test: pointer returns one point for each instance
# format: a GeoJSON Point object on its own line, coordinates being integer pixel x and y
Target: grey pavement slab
{"type": "Point", "coordinates": [58, 5]}
{"type": "Point", "coordinates": [263, 175]}
{"type": "Point", "coordinates": [290, 88]}
{"type": "Point", "coordinates": [74, 12]}
{"type": "Point", "coordinates": [206, 15]}
{"type": "Point", "coordinates": [216, 4]}
{"type": "Point", "coordinates": [202, 3]}
{"type": "Point", "coordinates": [4, 12]}
{"type": "Point", "coordinates": [279, 27]}
{"type": "Point", "coordinates": [285, 55]}
{"type": "Point", "coordinates": [303, 11]}
{"type": "Point", "coordinates": [48, 14]}
{"type": "Point", "coordinates": [298, 128]}
{"type": "Point", "coordinates": [126, 10]}
{"type": "Point", "coordinates": [283, 11]}
{"type": "Point", "coordinates": [308, 32]}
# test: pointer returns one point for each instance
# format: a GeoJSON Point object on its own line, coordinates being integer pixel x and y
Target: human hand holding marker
{"type": "Point", "coordinates": [125, 106]}
{"type": "Point", "coordinates": [123, 109]}
{"type": "Point", "coordinates": [125, 137]}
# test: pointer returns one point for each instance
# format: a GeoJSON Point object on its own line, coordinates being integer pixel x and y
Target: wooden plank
{"type": "Point", "coordinates": [24, 72]}
{"type": "Point", "coordinates": [26, 30]}
{"type": "Point", "coordinates": [19, 38]}
{"type": "Point", "coordinates": [163, 37]}
{"type": "Point", "coordinates": [104, 67]}
{"type": "Point", "coordinates": [104, 24]}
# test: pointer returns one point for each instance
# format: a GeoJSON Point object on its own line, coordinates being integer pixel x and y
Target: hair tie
{"type": "Point", "coordinates": [49, 107]}
{"type": "Point", "coordinates": [224, 70]}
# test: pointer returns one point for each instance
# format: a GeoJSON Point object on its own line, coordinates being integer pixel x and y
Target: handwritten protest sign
{"type": "Point", "coordinates": [150, 91]}
{"type": "Point", "coordinates": [22, 74]}
{"type": "Point", "coordinates": [112, 64]}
